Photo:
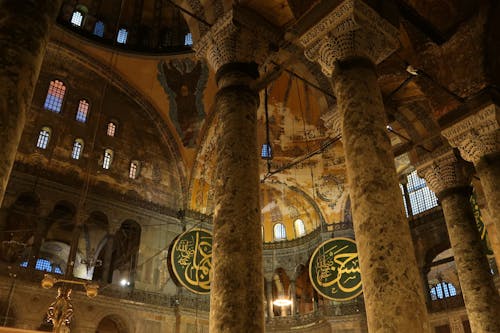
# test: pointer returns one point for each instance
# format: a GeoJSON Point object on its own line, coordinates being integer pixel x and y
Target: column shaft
{"type": "Point", "coordinates": [24, 33]}
{"type": "Point", "coordinates": [481, 298]}
{"type": "Point", "coordinates": [488, 170]}
{"type": "Point", "coordinates": [108, 256]}
{"type": "Point", "coordinates": [269, 296]}
{"type": "Point", "coordinates": [237, 288]}
{"type": "Point", "coordinates": [391, 282]}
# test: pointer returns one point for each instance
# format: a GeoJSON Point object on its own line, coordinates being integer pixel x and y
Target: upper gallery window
{"type": "Point", "coordinates": [122, 36]}
{"type": "Point", "coordinates": [77, 18]}
{"type": "Point", "coordinates": [43, 138]}
{"type": "Point", "coordinates": [55, 96]}
{"type": "Point", "coordinates": [133, 171]}
{"type": "Point", "coordinates": [77, 149]}
{"type": "Point", "coordinates": [82, 112]}
{"type": "Point", "coordinates": [421, 197]}
{"type": "Point", "coordinates": [300, 229]}
{"type": "Point", "coordinates": [111, 131]}
{"type": "Point", "coordinates": [443, 290]}
{"type": "Point", "coordinates": [188, 39]}
{"type": "Point", "coordinates": [108, 158]}
{"type": "Point", "coordinates": [99, 29]}
{"type": "Point", "coordinates": [279, 231]}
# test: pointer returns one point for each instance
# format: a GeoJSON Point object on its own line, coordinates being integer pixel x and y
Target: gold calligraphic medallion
{"type": "Point", "coordinates": [334, 269]}
{"type": "Point", "coordinates": [191, 260]}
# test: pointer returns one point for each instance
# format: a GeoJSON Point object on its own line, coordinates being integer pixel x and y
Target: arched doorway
{"type": "Point", "coordinates": [111, 324]}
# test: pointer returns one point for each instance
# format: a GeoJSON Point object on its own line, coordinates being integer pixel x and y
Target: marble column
{"type": "Point", "coordinates": [269, 298]}
{"type": "Point", "coordinates": [448, 176]}
{"type": "Point", "coordinates": [478, 139]}
{"type": "Point", "coordinates": [24, 34]}
{"type": "Point", "coordinates": [108, 257]}
{"type": "Point", "coordinates": [347, 44]}
{"type": "Point", "coordinates": [237, 287]}
{"type": "Point", "coordinates": [293, 298]}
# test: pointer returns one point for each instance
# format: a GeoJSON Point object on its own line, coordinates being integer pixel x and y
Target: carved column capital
{"type": "Point", "coordinates": [239, 36]}
{"type": "Point", "coordinates": [443, 171]}
{"type": "Point", "coordinates": [352, 29]}
{"type": "Point", "coordinates": [477, 135]}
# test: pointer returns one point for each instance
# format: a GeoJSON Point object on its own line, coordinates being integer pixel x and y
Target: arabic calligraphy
{"type": "Point", "coordinates": [191, 260]}
{"type": "Point", "coordinates": [334, 269]}
{"type": "Point", "coordinates": [480, 225]}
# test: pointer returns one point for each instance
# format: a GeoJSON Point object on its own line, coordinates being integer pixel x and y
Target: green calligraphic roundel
{"type": "Point", "coordinates": [191, 260]}
{"type": "Point", "coordinates": [334, 269]}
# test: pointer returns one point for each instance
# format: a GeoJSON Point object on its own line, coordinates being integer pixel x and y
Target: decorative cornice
{"type": "Point", "coordinates": [352, 29]}
{"type": "Point", "coordinates": [241, 35]}
{"type": "Point", "coordinates": [477, 135]}
{"type": "Point", "coordinates": [442, 171]}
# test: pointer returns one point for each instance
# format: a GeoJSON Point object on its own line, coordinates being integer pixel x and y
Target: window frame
{"type": "Point", "coordinates": [43, 138]}
{"type": "Point", "coordinates": [302, 228]}
{"type": "Point", "coordinates": [82, 20]}
{"type": "Point", "coordinates": [111, 133]}
{"type": "Point", "coordinates": [84, 111]}
{"type": "Point", "coordinates": [279, 227]}
{"type": "Point", "coordinates": [102, 32]}
{"type": "Point", "coordinates": [54, 100]}
{"type": "Point", "coordinates": [107, 159]}
{"type": "Point", "coordinates": [122, 31]}
{"type": "Point", "coordinates": [135, 174]}
{"type": "Point", "coordinates": [80, 150]}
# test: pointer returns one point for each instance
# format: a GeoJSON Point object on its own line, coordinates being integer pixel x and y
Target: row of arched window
{"type": "Point", "coordinates": [78, 19]}
{"type": "Point", "coordinates": [76, 152]}
{"type": "Point", "coordinates": [279, 230]}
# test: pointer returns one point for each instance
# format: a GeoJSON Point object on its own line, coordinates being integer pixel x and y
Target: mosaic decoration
{"type": "Point", "coordinates": [191, 260]}
{"type": "Point", "coordinates": [334, 269]}
{"type": "Point", "coordinates": [184, 81]}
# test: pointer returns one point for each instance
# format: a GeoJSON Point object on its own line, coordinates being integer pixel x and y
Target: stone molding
{"type": "Point", "coordinates": [241, 36]}
{"type": "Point", "coordinates": [442, 170]}
{"type": "Point", "coordinates": [477, 135]}
{"type": "Point", "coordinates": [352, 29]}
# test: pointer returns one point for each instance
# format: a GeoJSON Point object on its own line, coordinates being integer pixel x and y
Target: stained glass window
{"type": "Point", "coordinates": [421, 197]}
{"type": "Point", "coordinates": [443, 290]}
{"type": "Point", "coordinates": [111, 131]}
{"type": "Point", "coordinates": [99, 29]}
{"type": "Point", "coordinates": [133, 170]}
{"type": "Point", "coordinates": [122, 36]}
{"type": "Point", "coordinates": [188, 39]}
{"type": "Point", "coordinates": [83, 109]}
{"type": "Point", "coordinates": [55, 96]}
{"type": "Point", "coordinates": [108, 158]}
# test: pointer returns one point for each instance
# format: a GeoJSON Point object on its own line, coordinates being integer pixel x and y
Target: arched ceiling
{"type": "Point", "coordinates": [306, 161]}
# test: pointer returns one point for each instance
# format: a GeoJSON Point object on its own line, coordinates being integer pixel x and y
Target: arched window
{"type": "Point", "coordinates": [43, 137]}
{"type": "Point", "coordinates": [44, 265]}
{"type": "Point", "coordinates": [108, 158]}
{"type": "Point", "coordinates": [188, 39]}
{"type": "Point", "coordinates": [279, 231]}
{"type": "Point", "coordinates": [77, 18]}
{"type": "Point", "coordinates": [300, 229]}
{"type": "Point", "coordinates": [99, 29]}
{"type": "Point", "coordinates": [77, 149]}
{"type": "Point", "coordinates": [443, 290]}
{"type": "Point", "coordinates": [121, 38]}
{"type": "Point", "coordinates": [55, 96]}
{"type": "Point", "coordinates": [111, 131]}
{"type": "Point", "coordinates": [133, 171]}
{"type": "Point", "coordinates": [83, 110]}
{"type": "Point", "coordinates": [420, 196]}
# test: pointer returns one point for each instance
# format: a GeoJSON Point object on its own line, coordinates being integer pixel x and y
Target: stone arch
{"type": "Point", "coordinates": [21, 225]}
{"type": "Point", "coordinates": [125, 251]}
{"type": "Point", "coordinates": [112, 323]}
{"type": "Point", "coordinates": [91, 243]}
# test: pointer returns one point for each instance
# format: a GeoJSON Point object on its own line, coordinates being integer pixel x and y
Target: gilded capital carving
{"type": "Point", "coordinates": [240, 35]}
{"type": "Point", "coordinates": [477, 135]}
{"type": "Point", "coordinates": [442, 170]}
{"type": "Point", "coordinates": [352, 29]}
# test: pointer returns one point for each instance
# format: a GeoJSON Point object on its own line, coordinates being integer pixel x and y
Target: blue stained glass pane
{"type": "Point", "coordinates": [266, 152]}
{"type": "Point", "coordinates": [43, 265]}
{"type": "Point", "coordinates": [24, 264]}
{"type": "Point", "coordinates": [99, 29]}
